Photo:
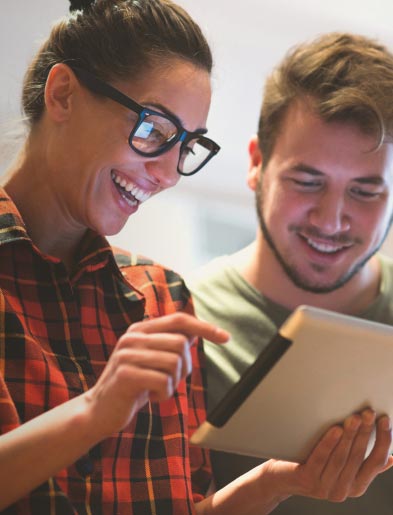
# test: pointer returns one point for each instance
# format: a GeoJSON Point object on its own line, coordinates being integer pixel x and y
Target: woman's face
{"type": "Point", "coordinates": [99, 179]}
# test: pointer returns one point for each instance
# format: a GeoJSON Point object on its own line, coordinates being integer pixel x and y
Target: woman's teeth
{"type": "Point", "coordinates": [131, 192]}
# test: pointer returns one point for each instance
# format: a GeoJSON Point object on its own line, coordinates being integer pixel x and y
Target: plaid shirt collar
{"type": "Point", "coordinates": [12, 227]}
{"type": "Point", "coordinates": [95, 252]}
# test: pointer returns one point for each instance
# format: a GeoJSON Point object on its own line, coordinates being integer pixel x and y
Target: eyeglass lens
{"type": "Point", "coordinates": [153, 133]}
{"type": "Point", "coordinates": [156, 132]}
{"type": "Point", "coordinates": [194, 153]}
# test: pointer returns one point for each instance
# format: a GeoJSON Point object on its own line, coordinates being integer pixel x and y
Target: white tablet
{"type": "Point", "coordinates": [320, 367]}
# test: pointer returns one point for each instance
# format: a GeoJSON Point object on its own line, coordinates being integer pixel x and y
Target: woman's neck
{"type": "Point", "coordinates": [47, 225]}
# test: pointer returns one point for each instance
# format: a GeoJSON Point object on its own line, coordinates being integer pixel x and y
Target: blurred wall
{"type": "Point", "coordinates": [212, 212]}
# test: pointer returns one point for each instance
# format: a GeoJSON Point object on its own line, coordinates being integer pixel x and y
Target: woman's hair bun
{"type": "Point", "coordinates": [80, 5]}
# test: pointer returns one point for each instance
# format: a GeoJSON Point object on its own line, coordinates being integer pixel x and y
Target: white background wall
{"type": "Point", "coordinates": [212, 212]}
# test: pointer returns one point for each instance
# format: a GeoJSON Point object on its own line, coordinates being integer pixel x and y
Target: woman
{"type": "Point", "coordinates": [96, 345]}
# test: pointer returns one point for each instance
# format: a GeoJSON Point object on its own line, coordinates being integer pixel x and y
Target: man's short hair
{"type": "Point", "coordinates": [342, 77]}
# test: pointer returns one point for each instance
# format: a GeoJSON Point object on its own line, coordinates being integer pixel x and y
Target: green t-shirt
{"type": "Point", "coordinates": [222, 296]}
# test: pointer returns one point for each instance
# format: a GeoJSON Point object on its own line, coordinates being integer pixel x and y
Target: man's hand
{"type": "Point", "coordinates": [336, 469]}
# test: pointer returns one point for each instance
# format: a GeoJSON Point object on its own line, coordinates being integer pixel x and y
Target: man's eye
{"type": "Point", "coordinates": [365, 194]}
{"type": "Point", "coordinates": [307, 184]}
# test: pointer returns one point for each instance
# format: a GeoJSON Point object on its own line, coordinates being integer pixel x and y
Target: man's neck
{"type": "Point", "coordinates": [260, 268]}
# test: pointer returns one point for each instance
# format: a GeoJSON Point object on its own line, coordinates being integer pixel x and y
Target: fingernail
{"type": "Point", "coordinates": [385, 423]}
{"type": "Point", "coordinates": [352, 423]}
{"type": "Point", "coordinates": [368, 417]}
{"type": "Point", "coordinates": [336, 432]}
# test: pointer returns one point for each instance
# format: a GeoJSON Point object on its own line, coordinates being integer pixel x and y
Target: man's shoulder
{"type": "Point", "coordinates": [212, 272]}
{"type": "Point", "coordinates": [386, 274]}
{"type": "Point", "coordinates": [386, 261]}
{"type": "Point", "coordinates": [215, 287]}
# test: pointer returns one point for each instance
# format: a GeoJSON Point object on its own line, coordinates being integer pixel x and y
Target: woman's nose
{"type": "Point", "coordinates": [164, 167]}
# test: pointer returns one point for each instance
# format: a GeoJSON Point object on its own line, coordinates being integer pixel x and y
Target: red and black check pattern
{"type": "Point", "coordinates": [56, 333]}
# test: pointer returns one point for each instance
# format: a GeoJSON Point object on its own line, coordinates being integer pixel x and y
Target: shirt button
{"type": "Point", "coordinates": [84, 466]}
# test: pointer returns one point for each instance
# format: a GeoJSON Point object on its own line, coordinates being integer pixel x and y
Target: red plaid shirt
{"type": "Point", "coordinates": [56, 333]}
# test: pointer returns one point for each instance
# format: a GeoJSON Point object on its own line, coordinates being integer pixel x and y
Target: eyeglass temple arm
{"type": "Point", "coordinates": [102, 88]}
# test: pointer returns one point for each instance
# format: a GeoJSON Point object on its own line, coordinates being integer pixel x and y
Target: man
{"type": "Point", "coordinates": [322, 170]}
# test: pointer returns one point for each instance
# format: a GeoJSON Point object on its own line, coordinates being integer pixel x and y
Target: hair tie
{"type": "Point", "coordinates": [80, 5]}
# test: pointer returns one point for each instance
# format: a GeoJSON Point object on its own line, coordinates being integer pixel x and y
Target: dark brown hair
{"type": "Point", "coordinates": [115, 39]}
{"type": "Point", "coordinates": [342, 77]}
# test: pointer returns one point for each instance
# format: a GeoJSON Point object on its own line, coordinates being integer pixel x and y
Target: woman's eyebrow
{"type": "Point", "coordinates": [167, 111]}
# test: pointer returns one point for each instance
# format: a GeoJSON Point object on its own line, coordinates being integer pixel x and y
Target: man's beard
{"type": "Point", "coordinates": [293, 274]}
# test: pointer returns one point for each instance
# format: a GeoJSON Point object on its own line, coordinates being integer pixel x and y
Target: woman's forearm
{"type": "Point", "coordinates": [35, 451]}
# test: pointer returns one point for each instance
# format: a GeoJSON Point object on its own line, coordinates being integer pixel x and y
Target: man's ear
{"type": "Point", "coordinates": [255, 163]}
{"type": "Point", "coordinates": [59, 88]}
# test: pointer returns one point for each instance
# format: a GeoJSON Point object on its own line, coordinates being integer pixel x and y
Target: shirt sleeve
{"type": "Point", "coordinates": [9, 418]}
{"type": "Point", "coordinates": [201, 474]}
{"type": "Point", "coordinates": [199, 457]}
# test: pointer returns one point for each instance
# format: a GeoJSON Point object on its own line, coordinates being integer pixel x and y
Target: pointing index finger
{"type": "Point", "coordinates": [182, 323]}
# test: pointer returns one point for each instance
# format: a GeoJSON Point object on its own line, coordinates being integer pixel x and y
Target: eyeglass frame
{"type": "Point", "coordinates": [100, 87]}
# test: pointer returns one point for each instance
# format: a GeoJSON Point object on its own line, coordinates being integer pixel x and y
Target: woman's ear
{"type": "Point", "coordinates": [255, 163]}
{"type": "Point", "coordinates": [59, 88]}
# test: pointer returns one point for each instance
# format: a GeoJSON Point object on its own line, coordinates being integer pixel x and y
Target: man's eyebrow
{"type": "Point", "coordinates": [301, 167]}
{"type": "Point", "coordinates": [369, 179]}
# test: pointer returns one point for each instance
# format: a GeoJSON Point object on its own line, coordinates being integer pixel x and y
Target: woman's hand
{"type": "Point", "coordinates": [148, 363]}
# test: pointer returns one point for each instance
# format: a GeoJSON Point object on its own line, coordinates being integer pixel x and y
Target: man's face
{"type": "Point", "coordinates": [324, 199]}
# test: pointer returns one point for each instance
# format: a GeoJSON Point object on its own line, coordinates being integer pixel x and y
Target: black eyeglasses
{"type": "Point", "coordinates": [155, 133]}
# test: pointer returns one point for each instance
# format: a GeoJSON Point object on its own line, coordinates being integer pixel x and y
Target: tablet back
{"type": "Point", "coordinates": [319, 368]}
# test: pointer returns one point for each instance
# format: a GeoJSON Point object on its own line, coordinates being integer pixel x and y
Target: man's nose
{"type": "Point", "coordinates": [329, 214]}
